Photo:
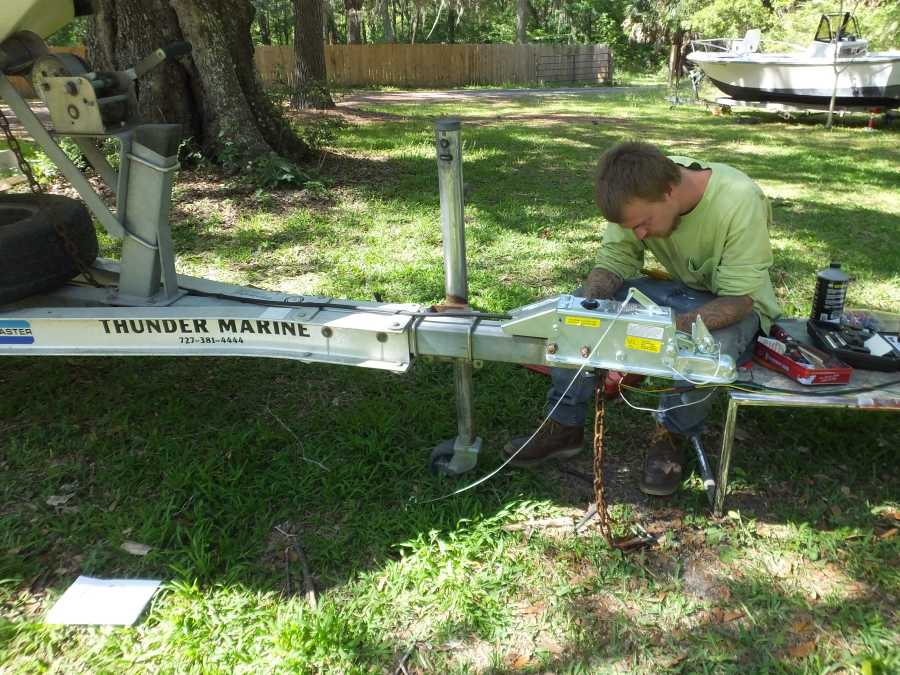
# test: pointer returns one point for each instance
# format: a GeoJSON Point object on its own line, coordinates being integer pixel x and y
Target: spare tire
{"type": "Point", "coordinates": [33, 257]}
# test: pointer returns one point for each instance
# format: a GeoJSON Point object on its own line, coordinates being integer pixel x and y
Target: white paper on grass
{"type": "Point", "coordinates": [117, 602]}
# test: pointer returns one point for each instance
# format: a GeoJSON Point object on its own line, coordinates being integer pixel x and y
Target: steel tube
{"type": "Point", "coordinates": [447, 337]}
{"type": "Point", "coordinates": [462, 371]}
{"type": "Point", "coordinates": [725, 457]}
{"type": "Point", "coordinates": [456, 285]}
{"type": "Point", "coordinates": [709, 483]}
{"type": "Point", "coordinates": [450, 183]}
{"type": "Point", "coordinates": [149, 189]}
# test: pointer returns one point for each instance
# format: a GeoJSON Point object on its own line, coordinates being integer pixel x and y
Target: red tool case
{"type": "Point", "coordinates": [834, 371]}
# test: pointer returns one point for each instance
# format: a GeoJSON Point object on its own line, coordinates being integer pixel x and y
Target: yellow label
{"type": "Point", "coordinates": [582, 321]}
{"type": "Point", "coordinates": [643, 344]}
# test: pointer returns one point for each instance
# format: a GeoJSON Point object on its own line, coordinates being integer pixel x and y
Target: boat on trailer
{"type": "Point", "coordinates": [837, 62]}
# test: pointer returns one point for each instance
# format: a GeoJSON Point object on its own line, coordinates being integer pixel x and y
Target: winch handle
{"type": "Point", "coordinates": [642, 299]}
{"type": "Point", "coordinates": [155, 58]}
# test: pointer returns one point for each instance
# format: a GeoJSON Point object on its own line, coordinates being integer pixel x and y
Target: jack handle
{"type": "Point", "coordinates": [169, 52]}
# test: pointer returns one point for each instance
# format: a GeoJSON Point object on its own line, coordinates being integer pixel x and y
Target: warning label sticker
{"type": "Point", "coordinates": [15, 332]}
{"type": "Point", "coordinates": [643, 344]}
{"type": "Point", "coordinates": [582, 321]}
{"type": "Point", "coordinates": [644, 331]}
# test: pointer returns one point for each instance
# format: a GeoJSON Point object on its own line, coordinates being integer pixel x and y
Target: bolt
{"type": "Point", "coordinates": [396, 324]}
{"type": "Point", "coordinates": [552, 348]}
{"type": "Point", "coordinates": [585, 352]}
{"type": "Point", "coordinates": [71, 88]}
{"type": "Point", "coordinates": [327, 332]}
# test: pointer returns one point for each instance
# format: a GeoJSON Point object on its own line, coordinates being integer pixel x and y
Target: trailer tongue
{"type": "Point", "coordinates": [141, 306]}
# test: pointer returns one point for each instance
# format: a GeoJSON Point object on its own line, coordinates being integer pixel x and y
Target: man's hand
{"type": "Point", "coordinates": [719, 313]}
{"type": "Point", "coordinates": [602, 284]}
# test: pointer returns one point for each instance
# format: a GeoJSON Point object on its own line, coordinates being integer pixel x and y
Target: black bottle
{"type": "Point", "coordinates": [831, 290]}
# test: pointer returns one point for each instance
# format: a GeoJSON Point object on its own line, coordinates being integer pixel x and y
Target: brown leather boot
{"type": "Point", "coordinates": [553, 441]}
{"type": "Point", "coordinates": [662, 464]}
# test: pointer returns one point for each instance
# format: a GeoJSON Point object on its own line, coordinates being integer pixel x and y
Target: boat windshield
{"type": "Point", "coordinates": [837, 26]}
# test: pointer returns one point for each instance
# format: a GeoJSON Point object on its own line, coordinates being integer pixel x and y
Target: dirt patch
{"type": "Point", "coordinates": [349, 114]}
{"type": "Point", "coordinates": [705, 579]}
{"type": "Point", "coordinates": [496, 95]}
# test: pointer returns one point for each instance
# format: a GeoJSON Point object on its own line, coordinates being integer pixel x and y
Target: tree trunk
{"type": "Point", "coordinates": [122, 33]}
{"type": "Point", "coordinates": [522, 22]}
{"type": "Point", "coordinates": [451, 23]}
{"type": "Point", "coordinates": [385, 11]}
{"type": "Point", "coordinates": [394, 32]}
{"type": "Point", "coordinates": [354, 27]}
{"type": "Point", "coordinates": [265, 37]}
{"type": "Point", "coordinates": [416, 18]}
{"type": "Point", "coordinates": [309, 48]}
{"type": "Point", "coordinates": [285, 24]}
{"type": "Point", "coordinates": [331, 31]}
{"type": "Point", "coordinates": [675, 61]}
{"type": "Point", "coordinates": [215, 92]}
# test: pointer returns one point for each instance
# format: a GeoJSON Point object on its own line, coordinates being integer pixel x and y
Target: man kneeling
{"type": "Point", "coordinates": [707, 225]}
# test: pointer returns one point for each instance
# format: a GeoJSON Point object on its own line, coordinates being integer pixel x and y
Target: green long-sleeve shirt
{"type": "Point", "coordinates": [721, 246]}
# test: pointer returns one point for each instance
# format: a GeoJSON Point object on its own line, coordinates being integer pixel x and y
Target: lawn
{"type": "Point", "coordinates": [227, 467]}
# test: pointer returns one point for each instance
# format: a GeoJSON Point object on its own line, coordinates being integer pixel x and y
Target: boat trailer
{"type": "Point", "coordinates": [141, 306]}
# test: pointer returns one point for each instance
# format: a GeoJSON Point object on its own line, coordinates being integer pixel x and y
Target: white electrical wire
{"type": "Point", "coordinates": [578, 372]}
{"type": "Point", "coordinates": [700, 382]}
{"type": "Point", "coordinates": [509, 459]}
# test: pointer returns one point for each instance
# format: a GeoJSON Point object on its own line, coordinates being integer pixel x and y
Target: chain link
{"type": "Point", "coordinates": [13, 144]}
{"type": "Point", "coordinates": [604, 519]}
{"type": "Point", "coordinates": [59, 227]}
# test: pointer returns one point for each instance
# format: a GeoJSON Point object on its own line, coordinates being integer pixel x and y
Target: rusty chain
{"type": "Point", "coordinates": [25, 167]}
{"type": "Point", "coordinates": [13, 144]}
{"type": "Point", "coordinates": [604, 519]}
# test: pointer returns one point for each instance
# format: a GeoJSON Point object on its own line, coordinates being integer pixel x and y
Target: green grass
{"type": "Point", "coordinates": [190, 455]}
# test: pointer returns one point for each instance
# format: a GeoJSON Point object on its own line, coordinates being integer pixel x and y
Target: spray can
{"type": "Point", "coordinates": [831, 290]}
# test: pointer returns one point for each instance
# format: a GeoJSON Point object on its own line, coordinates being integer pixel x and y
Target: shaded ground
{"type": "Point", "coordinates": [187, 455]}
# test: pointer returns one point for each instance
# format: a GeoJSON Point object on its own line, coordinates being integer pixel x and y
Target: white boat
{"type": "Point", "coordinates": [837, 56]}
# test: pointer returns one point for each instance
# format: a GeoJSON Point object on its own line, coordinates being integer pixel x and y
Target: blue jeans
{"type": "Point", "coordinates": [735, 340]}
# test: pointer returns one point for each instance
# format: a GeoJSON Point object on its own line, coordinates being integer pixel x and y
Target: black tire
{"type": "Point", "coordinates": [33, 258]}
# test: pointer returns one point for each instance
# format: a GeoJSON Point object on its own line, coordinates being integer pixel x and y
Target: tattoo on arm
{"type": "Point", "coordinates": [718, 313]}
{"type": "Point", "coordinates": [602, 284]}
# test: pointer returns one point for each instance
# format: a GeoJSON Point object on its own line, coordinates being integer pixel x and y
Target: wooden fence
{"type": "Point", "coordinates": [430, 65]}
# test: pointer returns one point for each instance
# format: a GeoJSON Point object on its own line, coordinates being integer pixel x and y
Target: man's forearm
{"type": "Point", "coordinates": [602, 284]}
{"type": "Point", "coordinates": [719, 313]}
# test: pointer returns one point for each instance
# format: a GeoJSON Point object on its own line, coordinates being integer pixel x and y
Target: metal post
{"type": "Point", "coordinates": [709, 483]}
{"type": "Point", "coordinates": [725, 457]}
{"type": "Point", "coordinates": [460, 454]}
{"type": "Point", "coordinates": [147, 252]}
{"type": "Point", "coordinates": [450, 185]}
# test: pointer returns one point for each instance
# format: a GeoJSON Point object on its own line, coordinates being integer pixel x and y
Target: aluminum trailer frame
{"type": "Point", "coordinates": [143, 307]}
